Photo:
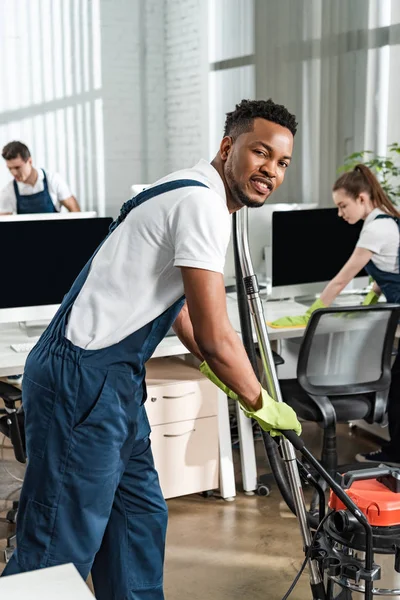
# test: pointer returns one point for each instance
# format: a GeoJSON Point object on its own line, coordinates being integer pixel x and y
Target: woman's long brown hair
{"type": "Point", "coordinates": [362, 179]}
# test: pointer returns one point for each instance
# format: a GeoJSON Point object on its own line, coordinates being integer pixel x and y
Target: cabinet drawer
{"type": "Point", "coordinates": [181, 401]}
{"type": "Point", "coordinates": [186, 456]}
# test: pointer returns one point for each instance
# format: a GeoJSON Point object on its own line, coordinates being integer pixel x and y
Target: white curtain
{"type": "Point", "coordinates": [333, 63]}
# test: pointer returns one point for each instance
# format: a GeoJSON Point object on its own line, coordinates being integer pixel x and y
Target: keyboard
{"type": "Point", "coordinates": [23, 347]}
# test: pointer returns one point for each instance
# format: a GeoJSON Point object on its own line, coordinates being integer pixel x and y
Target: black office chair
{"type": "Point", "coordinates": [12, 426]}
{"type": "Point", "coordinates": [343, 370]}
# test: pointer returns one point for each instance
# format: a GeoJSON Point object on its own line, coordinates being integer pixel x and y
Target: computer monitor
{"type": "Point", "coordinates": [259, 231]}
{"type": "Point", "coordinates": [41, 259]}
{"type": "Point", "coordinates": [308, 249]}
{"type": "Point", "coordinates": [48, 216]}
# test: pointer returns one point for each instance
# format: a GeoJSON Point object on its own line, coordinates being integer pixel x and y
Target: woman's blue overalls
{"type": "Point", "coordinates": [91, 494]}
{"type": "Point", "coordinates": [389, 284]}
{"type": "Point", "coordinates": [40, 202]}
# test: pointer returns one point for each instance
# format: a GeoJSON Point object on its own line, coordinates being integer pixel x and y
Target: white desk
{"type": "Point", "coordinates": [12, 363]}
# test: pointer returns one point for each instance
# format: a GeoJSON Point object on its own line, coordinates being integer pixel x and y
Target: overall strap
{"type": "Point", "coordinates": [397, 221]}
{"type": "Point", "coordinates": [387, 217]}
{"type": "Point", "coordinates": [16, 190]}
{"type": "Point", "coordinates": [45, 184]}
{"type": "Point", "coordinates": [162, 188]}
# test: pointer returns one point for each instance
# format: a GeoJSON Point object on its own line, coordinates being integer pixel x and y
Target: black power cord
{"type": "Point", "coordinates": [307, 557]}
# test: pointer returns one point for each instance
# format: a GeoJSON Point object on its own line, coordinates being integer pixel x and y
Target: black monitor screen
{"type": "Point", "coordinates": [310, 246]}
{"type": "Point", "coordinates": [41, 259]}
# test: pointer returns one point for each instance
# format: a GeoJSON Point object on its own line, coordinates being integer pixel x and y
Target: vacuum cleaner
{"type": "Point", "coordinates": [352, 550]}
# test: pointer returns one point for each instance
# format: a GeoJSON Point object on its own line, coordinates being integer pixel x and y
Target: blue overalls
{"type": "Point", "coordinates": [40, 202]}
{"type": "Point", "coordinates": [389, 283]}
{"type": "Point", "coordinates": [91, 494]}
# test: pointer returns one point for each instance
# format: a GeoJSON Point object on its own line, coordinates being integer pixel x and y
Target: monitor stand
{"type": "Point", "coordinates": [307, 300]}
{"type": "Point", "coordinates": [34, 329]}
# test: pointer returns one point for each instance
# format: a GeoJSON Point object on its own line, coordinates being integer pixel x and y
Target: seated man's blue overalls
{"type": "Point", "coordinates": [40, 202]}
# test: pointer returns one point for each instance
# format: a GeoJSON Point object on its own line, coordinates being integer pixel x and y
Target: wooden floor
{"type": "Point", "coordinates": [218, 550]}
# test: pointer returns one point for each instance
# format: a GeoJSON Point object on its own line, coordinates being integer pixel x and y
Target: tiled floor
{"type": "Point", "coordinates": [219, 550]}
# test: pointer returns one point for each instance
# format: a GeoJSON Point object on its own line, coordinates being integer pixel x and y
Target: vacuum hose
{"type": "Point", "coordinates": [271, 447]}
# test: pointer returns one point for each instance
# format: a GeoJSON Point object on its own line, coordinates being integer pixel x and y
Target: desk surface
{"type": "Point", "coordinates": [12, 363]}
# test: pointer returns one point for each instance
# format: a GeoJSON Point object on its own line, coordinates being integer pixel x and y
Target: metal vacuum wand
{"type": "Point", "coordinates": [256, 309]}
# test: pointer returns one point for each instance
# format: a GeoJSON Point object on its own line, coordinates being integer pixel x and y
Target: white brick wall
{"type": "Point", "coordinates": [186, 79]}
{"type": "Point", "coordinates": [121, 53]}
{"type": "Point", "coordinates": [155, 151]}
{"type": "Point", "coordinates": [155, 62]}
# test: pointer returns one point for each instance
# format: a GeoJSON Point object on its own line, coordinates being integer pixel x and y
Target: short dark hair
{"type": "Point", "coordinates": [14, 149]}
{"type": "Point", "coordinates": [241, 119]}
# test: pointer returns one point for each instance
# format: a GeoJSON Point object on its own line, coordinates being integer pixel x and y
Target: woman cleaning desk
{"type": "Point", "coordinates": [359, 196]}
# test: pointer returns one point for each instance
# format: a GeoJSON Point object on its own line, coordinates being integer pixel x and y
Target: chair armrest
{"type": "Point", "coordinates": [327, 410]}
{"type": "Point", "coordinates": [278, 360]}
{"type": "Point", "coordinates": [379, 407]}
{"type": "Point", "coordinates": [10, 394]}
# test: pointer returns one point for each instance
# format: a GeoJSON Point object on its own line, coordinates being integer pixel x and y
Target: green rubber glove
{"type": "Point", "coordinates": [300, 321]}
{"type": "Point", "coordinates": [272, 416]}
{"type": "Point", "coordinates": [370, 298]}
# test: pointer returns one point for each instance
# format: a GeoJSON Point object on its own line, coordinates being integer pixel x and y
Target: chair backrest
{"type": "Point", "coordinates": [347, 350]}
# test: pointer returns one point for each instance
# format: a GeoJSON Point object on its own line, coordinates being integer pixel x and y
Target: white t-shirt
{"type": "Point", "coordinates": [58, 190]}
{"type": "Point", "coordinates": [381, 237]}
{"type": "Point", "coordinates": [133, 279]}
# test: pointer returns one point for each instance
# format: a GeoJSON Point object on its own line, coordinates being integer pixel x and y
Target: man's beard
{"type": "Point", "coordinates": [238, 195]}
{"type": "Point", "coordinates": [240, 198]}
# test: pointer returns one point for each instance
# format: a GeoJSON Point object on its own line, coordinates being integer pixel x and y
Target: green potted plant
{"type": "Point", "coordinates": [386, 168]}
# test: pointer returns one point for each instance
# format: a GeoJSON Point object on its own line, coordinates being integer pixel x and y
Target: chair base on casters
{"type": "Point", "coordinates": [12, 513]}
{"type": "Point", "coordinates": [9, 549]}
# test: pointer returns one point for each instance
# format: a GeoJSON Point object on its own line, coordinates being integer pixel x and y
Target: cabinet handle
{"type": "Point", "coordinates": [181, 396]}
{"type": "Point", "coordinates": [178, 434]}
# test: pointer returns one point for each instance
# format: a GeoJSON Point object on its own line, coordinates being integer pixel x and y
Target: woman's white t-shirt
{"type": "Point", "coordinates": [381, 237]}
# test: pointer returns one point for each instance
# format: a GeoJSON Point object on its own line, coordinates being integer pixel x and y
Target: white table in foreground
{"type": "Point", "coordinates": [55, 583]}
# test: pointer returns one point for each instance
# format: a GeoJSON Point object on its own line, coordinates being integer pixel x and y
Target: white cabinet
{"type": "Point", "coordinates": [182, 409]}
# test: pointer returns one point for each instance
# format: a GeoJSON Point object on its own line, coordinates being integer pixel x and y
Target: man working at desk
{"type": "Point", "coordinates": [33, 190]}
{"type": "Point", "coordinates": [91, 494]}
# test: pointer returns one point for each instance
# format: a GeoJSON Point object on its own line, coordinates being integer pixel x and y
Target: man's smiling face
{"type": "Point", "coordinates": [255, 162]}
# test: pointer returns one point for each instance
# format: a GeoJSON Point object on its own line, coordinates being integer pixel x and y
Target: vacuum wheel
{"type": "Point", "coordinates": [12, 513]}
{"type": "Point", "coordinates": [12, 516]}
{"type": "Point", "coordinates": [263, 490]}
